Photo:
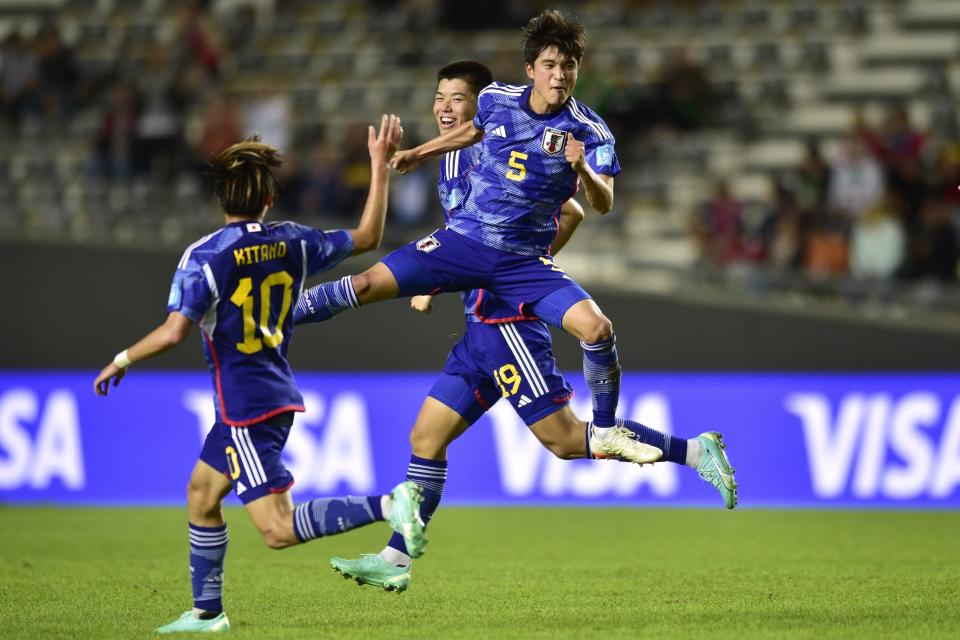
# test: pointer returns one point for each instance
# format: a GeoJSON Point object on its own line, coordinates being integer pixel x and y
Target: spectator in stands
{"type": "Point", "coordinates": [899, 147]}
{"type": "Point", "coordinates": [18, 80]}
{"type": "Point", "coordinates": [159, 140]}
{"type": "Point", "coordinates": [716, 227]}
{"type": "Point", "coordinates": [784, 238]}
{"type": "Point", "coordinates": [811, 180]}
{"type": "Point", "coordinates": [933, 246]}
{"type": "Point", "coordinates": [355, 167]}
{"type": "Point", "coordinates": [945, 183]}
{"type": "Point", "coordinates": [270, 115]}
{"type": "Point", "coordinates": [200, 39]}
{"type": "Point", "coordinates": [877, 248]}
{"type": "Point", "coordinates": [115, 138]}
{"type": "Point", "coordinates": [221, 126]}
{"type": "Point", "coordinates": [856, 179]}
{"type": "Point", "coordinates": [826, 252]}
{"type": "Point", "coordinates": [58, 75]}
{"type": "Point", "coordinates": [319, 190]}
{"type": "Point", "coordinates": [685, 95]}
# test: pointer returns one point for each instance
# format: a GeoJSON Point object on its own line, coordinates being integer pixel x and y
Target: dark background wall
{"type": "Point", "coordinates": [75, 307]}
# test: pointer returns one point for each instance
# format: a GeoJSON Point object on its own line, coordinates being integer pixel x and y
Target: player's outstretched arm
{"type": "Point", "coordinates": [165, 337]}
{"type": "Point", "coordinates": [381, 145]}
{"type": "Point", "coordinates": [463, 136]}
{"type": "Point", "coordinates": [598, 187]}
{"type": "Point", "coordinates": [571, 215]}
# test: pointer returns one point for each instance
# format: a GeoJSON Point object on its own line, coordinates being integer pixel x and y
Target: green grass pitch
{"type": "Point", "coordinates": [503, 573]}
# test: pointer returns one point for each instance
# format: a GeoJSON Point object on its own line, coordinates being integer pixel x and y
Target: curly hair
{"type": "Point", "coordinates": [243, 179]}
{"type": "Point", "coordinates": [553, 29]}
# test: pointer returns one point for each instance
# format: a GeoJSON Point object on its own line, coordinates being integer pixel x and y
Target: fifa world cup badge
{"type": "Point", "coordinates": [553, 140]}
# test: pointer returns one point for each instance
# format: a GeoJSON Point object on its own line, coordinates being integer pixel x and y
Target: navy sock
{"type": "Point", "coordinates": [430, 475]}
{"type": "Point", "coordinates": [322, 302]}
{"type": "Point", "coordinates": [601, 370]}
{"type": "Point", "coordinates": [208, 546]}
{"type": "Point", "coordinates": [674, 448]}
{"type": "Point", "coordinates": [330, 516]}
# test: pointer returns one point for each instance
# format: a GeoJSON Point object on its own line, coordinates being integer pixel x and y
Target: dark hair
{"type": "Point", "coordinates": [553, 29]}
{"type": "Point", "coordinates": [243, 181]}
{"type": "Point", "coordinates": [475, 74]}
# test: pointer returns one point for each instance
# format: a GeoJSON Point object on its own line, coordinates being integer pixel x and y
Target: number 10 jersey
{"type": "Point", "coordinates": [239, 284]}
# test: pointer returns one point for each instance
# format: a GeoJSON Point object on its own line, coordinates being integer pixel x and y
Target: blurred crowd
{"type": "Point", "coordinates": [863, 215]}
{"type": "Point", "coordinates": [882, 209]}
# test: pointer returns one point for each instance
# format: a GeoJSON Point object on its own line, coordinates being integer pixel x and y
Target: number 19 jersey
{"type": "Point", "coordinates": [239, 284]}
{"type": "Point", "coordinates": [515, 191]}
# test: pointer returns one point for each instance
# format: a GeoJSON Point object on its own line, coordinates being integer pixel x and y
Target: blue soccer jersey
{"type": "Point", "coordinates": [239, 284]}
{"type": "Point", "coordinates": [452, 184]}
{"type": "Point", "coordinates": [522, 178]}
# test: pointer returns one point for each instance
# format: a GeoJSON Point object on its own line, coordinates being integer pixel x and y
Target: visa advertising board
{"type": "Point", "coordinates": [858, 440]}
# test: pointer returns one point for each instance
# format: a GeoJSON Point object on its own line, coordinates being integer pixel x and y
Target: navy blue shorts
{"type": "Point", "coordinates": [512, 360]}
{"type": "Point", "coordinates": [449, 261]}
{"type": "Point", "coordinates": [250, 456]}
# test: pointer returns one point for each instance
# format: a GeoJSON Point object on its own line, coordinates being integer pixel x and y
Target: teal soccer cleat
{"type": "Point", "coordinates": [715, 467]}
{"type": "Point", "coordinates": [373, 570]}
{"type": "Point", "coordinates": [405, 517]}
{"type": "Point", "coordinates": [187, 623]}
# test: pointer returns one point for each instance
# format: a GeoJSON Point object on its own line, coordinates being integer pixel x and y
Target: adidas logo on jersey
{"type": "Point", "coordinates": [524, 400]}
{"type": "Point", "coordinates": [240, 487]}
{"type": "Point", "coordinates": [500, 132]}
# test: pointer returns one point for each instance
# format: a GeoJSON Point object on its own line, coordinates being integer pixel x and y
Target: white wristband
{"type": "Point", "coordinates": [122, 360]}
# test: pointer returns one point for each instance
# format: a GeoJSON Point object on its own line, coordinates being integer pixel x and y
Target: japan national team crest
{"type": "Point", "coordinates": [553, 140]}
{"type": "Point", "coordinates": [427, 244]}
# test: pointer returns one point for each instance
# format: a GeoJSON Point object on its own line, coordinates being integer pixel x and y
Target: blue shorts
{"type": "Point", "coordinates": [449, 261]}
{"type": "Point", "coordinates": [250, 456]}
{"type": "Point", "coordinates": [512, 360]}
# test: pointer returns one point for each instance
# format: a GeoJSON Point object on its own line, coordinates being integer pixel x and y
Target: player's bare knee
{"type": "Point", "coordinates": [202, 500]}
{"type": "Point", "coordinates": [423, 444]}
{"type": "Point", "coordinates": [599, 329]}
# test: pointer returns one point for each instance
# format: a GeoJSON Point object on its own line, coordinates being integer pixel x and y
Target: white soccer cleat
{"type": "Point", "coordinates": [619, 443]}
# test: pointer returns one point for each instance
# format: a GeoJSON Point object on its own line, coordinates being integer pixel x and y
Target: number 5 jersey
{"type": "Point", "coordinates": [516, 188]}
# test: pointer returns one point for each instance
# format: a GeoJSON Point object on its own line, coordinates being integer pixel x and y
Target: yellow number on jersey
{"type": "Point", "coordinates": [521, 171]}
{"type": "Point", "coordinates": [242, 298]}
{"type": "Point", "coordinates": [507, 375]}
{"type": "Point", "coordinates": [233, 463]}
{"type": "Point", "coordinates": [548, 262]}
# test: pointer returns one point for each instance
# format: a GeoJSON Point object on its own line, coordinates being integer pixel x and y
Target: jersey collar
{"type": "Point", "coordinates": [525, 105]}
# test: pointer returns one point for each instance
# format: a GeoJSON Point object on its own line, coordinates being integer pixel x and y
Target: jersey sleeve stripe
{"type": "Point", "coordinates": [211, 281]}
{"type": "Point", "coordinates": [496, 87]}
{"type": "Point", "coordinates": [598, 127]}
{"type": "Point", "coordinates": [185, 258]}
{"type": "Point", "coordinates": [306, 264]}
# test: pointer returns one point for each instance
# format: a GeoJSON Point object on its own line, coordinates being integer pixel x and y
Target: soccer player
{"type": "Point", "coordinates": [502, 355]}
{"type": "Point", "coordinates": [238, 285]}
{"type": "Point", "coordinates": [537, 146]}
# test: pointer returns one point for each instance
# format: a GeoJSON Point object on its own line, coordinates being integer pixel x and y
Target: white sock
{"type": "Point", "coordinates": [386, 505]}
{"type": "Point", "coordinates": [694, 453]}
{"type": "Point", "coordinates": [395, 557]}
{"type": "Point", "coordinates": [601, 432]}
